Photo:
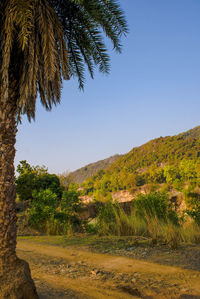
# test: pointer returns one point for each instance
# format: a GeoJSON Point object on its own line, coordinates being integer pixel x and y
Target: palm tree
{"type": "Point", "coordinates": [42, 43]}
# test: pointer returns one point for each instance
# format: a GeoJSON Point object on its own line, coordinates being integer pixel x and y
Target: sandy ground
{"type": "Point", "coordinates": [75, 273]}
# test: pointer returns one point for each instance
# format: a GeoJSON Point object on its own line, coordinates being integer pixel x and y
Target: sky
{"type": "Point", "coordinates": [153, 90]}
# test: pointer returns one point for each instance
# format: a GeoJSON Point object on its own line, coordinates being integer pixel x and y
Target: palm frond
{"type": "Point", "coordinates": [43, 42]}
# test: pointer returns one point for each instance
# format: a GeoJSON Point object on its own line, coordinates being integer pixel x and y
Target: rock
{"type": "Point", "coordinates": [133, 280]}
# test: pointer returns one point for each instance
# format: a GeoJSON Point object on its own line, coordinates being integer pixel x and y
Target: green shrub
{"type": "Point", "coordinates": [42, 208]}
{"type": "Point", "coordinates": [49, 214]}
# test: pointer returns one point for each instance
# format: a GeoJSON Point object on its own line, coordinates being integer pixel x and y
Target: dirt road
{"type": "Point", "coordinates": [75, 273]}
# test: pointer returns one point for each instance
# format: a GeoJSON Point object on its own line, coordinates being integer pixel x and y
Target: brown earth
{"type": "Point", "coordinates": [76, 272]}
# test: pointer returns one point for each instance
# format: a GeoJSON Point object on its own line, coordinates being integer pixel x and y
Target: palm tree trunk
{"type": "Point", "coordinates": [15, 278]}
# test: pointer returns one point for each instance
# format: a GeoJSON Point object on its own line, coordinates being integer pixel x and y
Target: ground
{"type": "Point", "coordinates": [90, 267]}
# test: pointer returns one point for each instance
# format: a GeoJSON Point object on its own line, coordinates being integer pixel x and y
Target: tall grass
{"type": "Point", "coordinates": [113, 220]}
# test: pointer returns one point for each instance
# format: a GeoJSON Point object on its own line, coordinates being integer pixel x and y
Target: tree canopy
{"type": "Point", "coordinates": [45, 42]}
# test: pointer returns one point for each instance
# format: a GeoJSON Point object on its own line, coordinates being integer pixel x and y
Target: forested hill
{"type": "Point", "coordinates": [80, 175]}
{"type": "Point", "coordinates": [193, 133]}
{"type": "Point", "coordinates": [149, 163]}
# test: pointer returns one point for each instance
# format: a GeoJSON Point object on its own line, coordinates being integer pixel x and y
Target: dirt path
{"type": "Point", "coordinates": [72, 273]}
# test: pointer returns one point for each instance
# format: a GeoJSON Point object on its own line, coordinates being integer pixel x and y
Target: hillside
{"type": "Point", "coordinates": [147, 163]}
{"type": "Point", "coordinates": [82, 174]}
{"type": "Point", "coordinates": [193, 133]}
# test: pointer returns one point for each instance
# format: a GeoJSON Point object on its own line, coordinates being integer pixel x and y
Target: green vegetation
{"type": "Point", "coordinates": [170, 160]}
{"type": "Point", "coordinates": [35, 178]}
{"type": "Point", "coordinates": [150, 216]}
{"type": "Point", "coordinates": [166, 167]}
{"type": "Point", "coordinates": [51, 208]}
{"type": "Point", "coordinates": [53, 216]}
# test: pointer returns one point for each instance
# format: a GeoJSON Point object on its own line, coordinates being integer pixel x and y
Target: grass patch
{"type": "Point", "coordinates": [93, 242]}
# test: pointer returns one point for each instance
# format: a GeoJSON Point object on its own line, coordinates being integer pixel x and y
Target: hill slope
{"type": "Point", "coordinates": [144, 164]}
{"type": "Point", "coordinates": [193, 133]}
{"type": "Point", "coordinates": [80, 175]}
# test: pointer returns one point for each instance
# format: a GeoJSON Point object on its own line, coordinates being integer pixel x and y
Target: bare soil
{"type": "Point", "coordinates": [82, 272]}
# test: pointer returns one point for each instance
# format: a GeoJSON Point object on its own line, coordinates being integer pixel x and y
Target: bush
{"type": "Point", "coordinates": [42, 208]}
{"type": "Point", "coordinates": [50, 215]}
{"type": "Point", "coordinates": [70, 206]}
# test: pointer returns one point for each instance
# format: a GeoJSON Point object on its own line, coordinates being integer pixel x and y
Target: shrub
{"type": "Point", "coordinates": [49, 214]}
{"type": "Point", "coordinates": [42, 208]}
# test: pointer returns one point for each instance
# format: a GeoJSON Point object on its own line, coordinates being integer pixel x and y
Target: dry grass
{"type": "Point", "coordinates": [159, 231]}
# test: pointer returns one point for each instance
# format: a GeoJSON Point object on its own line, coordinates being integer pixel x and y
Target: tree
{"type": "Point", "coordinates": [42, 42]}
{"type": "Point", "coordinates": [35, 178]}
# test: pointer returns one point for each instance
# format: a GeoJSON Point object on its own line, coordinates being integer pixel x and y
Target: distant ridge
{"type": "Point", "coordinates": [82, 174]}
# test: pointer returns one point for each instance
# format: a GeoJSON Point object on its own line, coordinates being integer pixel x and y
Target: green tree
{"type": "Point", "coordinates": [24, 167]}
{"type": "Point", "coordinates": [42, 43]}
{"type": "Point", "coordinates": [35, 178]}
{"type": "Point", "coordinates": [188, 169]}
{"type": "Point", "coordinates": [42, 208]}
{"type": "Point", "coordinates": [171, 173]}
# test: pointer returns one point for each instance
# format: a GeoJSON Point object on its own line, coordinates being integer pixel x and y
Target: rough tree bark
{"type": "Point", "coordinates": [15, 278]}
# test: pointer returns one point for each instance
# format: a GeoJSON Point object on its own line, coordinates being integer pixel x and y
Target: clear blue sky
{"type": "Point", "coordinates": [153, 90]}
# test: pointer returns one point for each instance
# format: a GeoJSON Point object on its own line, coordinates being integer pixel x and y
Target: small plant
{"type": "Point", "coordinates": [172, 235]}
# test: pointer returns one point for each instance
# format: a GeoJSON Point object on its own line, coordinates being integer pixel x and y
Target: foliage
{"type": "Point", "coordinates": [48, 181]}
{"type": "Point", "coordinates": [106, 218]}
{"type": "Point", "coordinates": [75, 40]}
{"type": "Point", "coordinates": [193, 203]}
{"type": "Point", "coordinates": [35, 178]}
{"type": "Point", "coordinates": [70, 205]}
{"type": "Point", "coordinates": [155, 204]}
{"type": "Point", "coordinates": [42, 208]}
{"type": "Point", "coordinates": [173, 160]}
{"type": "Point", "coordinates": [49, 214]}
{"type": "Point", "coordinates": [150, 216]}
